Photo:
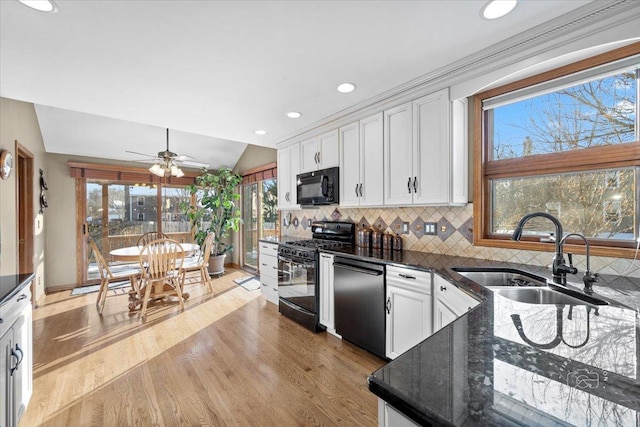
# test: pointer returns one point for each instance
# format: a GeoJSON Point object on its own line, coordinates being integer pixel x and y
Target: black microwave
{"type": "Point", "coordinates": [318, 188]}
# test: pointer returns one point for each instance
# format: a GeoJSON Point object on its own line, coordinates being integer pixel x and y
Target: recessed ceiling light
{"type": "Point", "coordinates": [41, 5]}
{"type": "Point", "coordinates": [495, 9]}
{"type": "Point", "coordinates": [294, 114]}
{"type": "Point", "coordinates": [346, 87]}
{"type": "Point", "coordinates": [260, 132]}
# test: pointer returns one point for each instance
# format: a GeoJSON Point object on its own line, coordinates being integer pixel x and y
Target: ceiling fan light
{"type": "Point", "coordinates": [157, 170]}
{"type": "Point", "coordinates": [176, 171]}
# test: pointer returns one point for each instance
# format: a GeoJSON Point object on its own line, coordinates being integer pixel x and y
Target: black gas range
{"type": "Point", "coordinates": [298, 260]}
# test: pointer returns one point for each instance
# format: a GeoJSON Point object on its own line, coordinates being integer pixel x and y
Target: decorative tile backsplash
{"type": "Point", "coordinates": [454, 234]}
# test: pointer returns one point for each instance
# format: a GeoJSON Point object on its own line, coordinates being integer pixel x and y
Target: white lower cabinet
{"type": "Point", "coordinates": [409, 309]}
{"type": "Point", "coordinates": [327, 309]}
{"type": "Point", "coordinates": [268, 259]}
{"type": "Point", "coordinates": [16, 365]}
{"type": "Point", "coordinates": [449, 302]}
{"type": "Point", "coordinates": [388, 416]}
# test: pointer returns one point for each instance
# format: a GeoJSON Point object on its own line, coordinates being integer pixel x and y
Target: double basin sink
{"type": "Point", "coordinates": [525, 287]}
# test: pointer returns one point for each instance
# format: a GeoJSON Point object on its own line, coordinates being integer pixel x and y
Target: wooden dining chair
{"type": "Point", "coordinates": [106, 276]}
{"type": "Point", "coordinates": [150, 236]}
{"type": "Point", "coordinates": [161, 262]}
{"type": "Point", "coordinates": [200, 264]}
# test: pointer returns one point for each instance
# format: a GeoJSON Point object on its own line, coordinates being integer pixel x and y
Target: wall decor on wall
{"type": "Point", "coordinates": [43, 192]}
{"type": "Point", "coordinates": [6, 163]}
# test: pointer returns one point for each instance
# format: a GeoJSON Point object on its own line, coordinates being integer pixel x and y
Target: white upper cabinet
{"type": "Point", "coordinates": [320, 152]}
{"type": "Point", "coordinates": [417, 149]}
{"type": "Point", "coordinates": [431, 149]}
{"type": "Point", "coordinates": [288, 169]}
{"type": "Point", "coordinates": [361, 163]}
{"type": "Point", "coordinates": [398, 147]}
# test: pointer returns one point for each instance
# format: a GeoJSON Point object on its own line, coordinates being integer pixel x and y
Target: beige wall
{"type": "Point", "coordinates": [255, 156]}
{"type": "Point", "coordinates": [18, 122]}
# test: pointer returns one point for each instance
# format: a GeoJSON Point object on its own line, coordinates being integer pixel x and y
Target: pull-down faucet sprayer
{"type": "Point", "coordinates": [559, 268]}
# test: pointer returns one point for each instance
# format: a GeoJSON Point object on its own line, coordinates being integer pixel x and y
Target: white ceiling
{"type": "Point", "coordinates": [215, 71]}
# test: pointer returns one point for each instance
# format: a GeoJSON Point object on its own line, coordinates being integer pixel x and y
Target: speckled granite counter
{"type": "Point", "coordinates": [12, 284]}
{"type": "Point", "coordinates": [563, 366]}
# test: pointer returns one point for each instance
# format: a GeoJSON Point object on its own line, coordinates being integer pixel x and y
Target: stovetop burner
{"type": "Point", "coordinates": [317, 244]}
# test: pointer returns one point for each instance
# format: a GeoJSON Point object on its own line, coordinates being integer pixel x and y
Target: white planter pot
{"type": "Point", "coordinates": [216, 264]}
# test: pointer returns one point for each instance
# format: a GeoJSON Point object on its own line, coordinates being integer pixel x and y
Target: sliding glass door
{"type": "Point", "coordinates": [118, 214]}
{"type": "Point", "coordinates": [259, 218]}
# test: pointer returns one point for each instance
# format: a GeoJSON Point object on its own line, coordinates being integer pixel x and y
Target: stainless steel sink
{"type": "Point", "coordinates": [501, 277]}
{"type": "Point", "coordinates": [525, 287]}
{"type": "Point", "coordinates": [546, 295]}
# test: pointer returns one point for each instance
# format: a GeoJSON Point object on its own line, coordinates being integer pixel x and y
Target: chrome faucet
{"type": "Point", "coordinates": [559, 268]}
{"type": "Point", "coordinates": [589, 277]}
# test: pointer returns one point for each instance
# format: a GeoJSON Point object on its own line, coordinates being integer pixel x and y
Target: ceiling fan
{"type": "Point", "coordinates": [166, 162]}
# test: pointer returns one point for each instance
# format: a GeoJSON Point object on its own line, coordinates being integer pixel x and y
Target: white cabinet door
{"type": "Point", "coordinates": [459, 152]}
{"type": "Point", "coordinates": [388, 416]}
{"type": "Point", "coordinates": [319, 152]}
{"type": "Point", "coordinates": [328, 150]}
{"type": "Point", "coordinates": [23, 376]}
{"type": "Point", "coordinates": [371, 161]}
{"type": "Point", "coordinates": [288, 169]}
{"type": "Point", "coordinates": [349, 165]}
{"type": "Point", "coordinates": [409, 309]}
{"type": "Point", "coordinates": [408, 319]}
{"type": "Point", "coordinates": [450, 302]}
{"type": "Point", "coordinates": [327, 310]}
{"type": "Point", "coordinates": [309, 155]}
{"type": "Point", "coordinates": [6, 342]}
{"type": "Point", "coordinates": [398, 155]}
{"type": "Point", "coordinates": [431, 149]}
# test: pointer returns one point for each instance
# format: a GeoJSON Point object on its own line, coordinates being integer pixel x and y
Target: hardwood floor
{"type": "Point", "coordinates": [229, 359]}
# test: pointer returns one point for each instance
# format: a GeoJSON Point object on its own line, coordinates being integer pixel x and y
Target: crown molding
{"type": "Point", "coordinates": [590, 19]}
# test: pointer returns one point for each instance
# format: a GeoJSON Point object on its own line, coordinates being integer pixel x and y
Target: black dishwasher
{"type": "Point", "coordinates": [359, 303]}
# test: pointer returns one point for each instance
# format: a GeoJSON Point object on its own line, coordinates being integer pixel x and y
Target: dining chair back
{"type": "Point", "coordinates": [106, 275]}
{"type": "Point", "coordinates": [150, 236]}
{"type": "Point", "coordinates": [201, 263]}
{"type": "Point", "coordinates": [161, 262]}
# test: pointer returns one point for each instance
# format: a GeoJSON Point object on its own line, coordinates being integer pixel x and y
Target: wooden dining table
{"type": "Point", "coordinates": [132, 254]}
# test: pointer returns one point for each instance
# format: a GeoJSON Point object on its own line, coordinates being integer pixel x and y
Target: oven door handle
{"type": "Point", "coordinates": [357, 269]}
{"type": "Point", "coordinates": [293, 263]}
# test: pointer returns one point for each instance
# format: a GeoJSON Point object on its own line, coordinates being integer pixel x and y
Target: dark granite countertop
{"type": "Point", "coordinates": [12, 284]}
{"type": "Point", "coordinates": [565, 365]}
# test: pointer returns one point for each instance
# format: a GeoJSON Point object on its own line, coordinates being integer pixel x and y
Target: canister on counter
{"type": "Point", "coordinates": [363, 237]}
{"type": "Point", "coordinates": [397, 242]}
{"type": "Point", "coordinates": [376, 239]}
{"type": "Point", "coordinates": [387, 240]}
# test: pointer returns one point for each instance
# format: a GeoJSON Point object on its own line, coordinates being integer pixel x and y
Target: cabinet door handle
{"type": "Point", "coordinates": [356, 190]}
{"type": "Point", "coordinates": [318, 157]}
{"type": "Point", "coordinates": [406, 276]}
{"type": "Point", "coordinates": [443, 288]}
{"type": "Point", "coordinates": [415, 184]}
{"type": "Point", "coordinates": [21, 297]}
{"type": "Point", "coordinates": [14, 368]}
{"type": "Point", "coordinates": [360, 189]}
{"type": "Point", "coordinates": [264, 264]}
{"type": "Point", "coordinates": [18, 349]}
{"type": "Point", "coordinates": [388, 305]}
{"type": "Point", "coordinates": [409, 185]}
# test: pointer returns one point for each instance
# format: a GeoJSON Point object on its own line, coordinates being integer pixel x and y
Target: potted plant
{"type": "Point", "coordinates": [215, 211]}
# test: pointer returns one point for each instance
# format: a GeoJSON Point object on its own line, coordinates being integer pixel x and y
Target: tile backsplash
{"type": "Point", "coordinates": [454, 234]}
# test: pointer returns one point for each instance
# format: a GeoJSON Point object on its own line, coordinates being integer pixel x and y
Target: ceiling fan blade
{"type": "Point", "coordinates": [182, 158]}
{"type": "Point", "coordinates": [141, 154]}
